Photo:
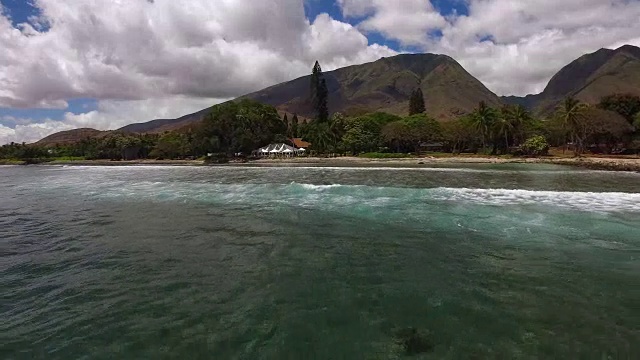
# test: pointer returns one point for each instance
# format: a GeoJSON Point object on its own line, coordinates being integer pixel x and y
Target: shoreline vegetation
{"type": "Point", "coordinates": [605, 136]}
{"type": "Point", "coordinates": [630, 163]}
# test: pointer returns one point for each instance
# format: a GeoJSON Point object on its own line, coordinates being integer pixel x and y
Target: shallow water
{"type": "Point", "coordinates": [489, 261]}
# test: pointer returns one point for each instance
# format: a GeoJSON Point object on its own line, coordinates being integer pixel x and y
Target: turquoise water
{"type": "Point", "coordinates": [485, 261]}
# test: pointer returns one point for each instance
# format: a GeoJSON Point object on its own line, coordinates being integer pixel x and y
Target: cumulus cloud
{"type": "Point", "coordinates": [335, 40]}
{"type": "Point", "coordinates": [408, 21]}
{"type": "Point", "coordinates": [528, 41]}
{"type": "Point", "coordinates": [164, 58]}
{"type": "Point", "coordinates": [145, 51]}
{"type": "Point", "coordinates": [134, 50]}
{"type": "Point", "coordinates": [31, 132]}
{"type": "Point", "coordinates": [513, 46]}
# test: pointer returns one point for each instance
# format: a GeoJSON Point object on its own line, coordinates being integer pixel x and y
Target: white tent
{"type": "Point", "coordinates": [275, 149]}
{"type": "Point", "coordinates": [287, 152]}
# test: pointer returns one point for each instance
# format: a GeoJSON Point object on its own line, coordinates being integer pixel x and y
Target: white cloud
{"type": "Point", "coordinates": [154, 50]}
{"type": "Point", "coordinates": [333, 39]}
{"type": "Point", "coordinates": [533, 39]}
{"type": "Point", "coordinates": [31, 132]}
{"type": "Point", "coordinates": [135, 50]}
{"type": "Point", "coordinates": [147, 59]}
{"type": "Point", "coordinates": [408, 21]}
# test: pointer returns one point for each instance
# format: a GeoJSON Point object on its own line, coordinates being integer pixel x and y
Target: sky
{"type": "Point", "coordinates": [108, 63]}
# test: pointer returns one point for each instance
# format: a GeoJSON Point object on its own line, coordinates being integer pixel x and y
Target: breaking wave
{"type": "Point", "coordinates": [337, 195]}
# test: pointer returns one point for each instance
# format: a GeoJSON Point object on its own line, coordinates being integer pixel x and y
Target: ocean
{"type": "Point", "coordinates": [509, 261]}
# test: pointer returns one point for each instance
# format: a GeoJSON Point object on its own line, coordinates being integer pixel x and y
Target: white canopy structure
{"type": "Point", "coordinates": [279, 149]}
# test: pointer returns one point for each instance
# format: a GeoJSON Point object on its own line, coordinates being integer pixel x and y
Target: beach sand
{"type": "Point", "coordinates": [596, 163]}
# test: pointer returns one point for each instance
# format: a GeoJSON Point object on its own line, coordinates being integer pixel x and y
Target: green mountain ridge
{"type": "Point", "coordinates": [386, 84]}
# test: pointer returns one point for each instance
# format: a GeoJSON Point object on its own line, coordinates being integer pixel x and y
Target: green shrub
{"type": "Point", "coordinates": [535, 146]}
{"type": "Point", "coordinates": [69, 158]}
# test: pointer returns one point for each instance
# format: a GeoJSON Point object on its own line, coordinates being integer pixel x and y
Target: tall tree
{"type": "Point", "coordinates": [319, 94]}
{"type": "Point", "coordinates": [416, 102]}
{"type": "Point", "coordinates": [294, 126]}
{"type": "Point", "coordinates": [571, 115]}
{"type": "Point", "coordinates": [240, 126]}
{"type": "Point", "coordinates": [322, 140]}
{"type": "Point", "coordinates": [459, 134]}
{"type": "Point", "coordinates": [410, 132]}
{"type": "Point", "coordinates": [504, 128]}
{"type": "Point", "coordinates": [484, 118]}
{"type": "Point", "coordinates": [511, 124]}
{"type": "Point", "coordinates": [287, 124]}
{"type": "Point", "coordinates": [627, 105]}
{"type": "Point", "coordinates": [604, 128]}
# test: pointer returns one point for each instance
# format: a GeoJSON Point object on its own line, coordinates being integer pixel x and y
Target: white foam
{"type": "Point", "coordinates": [587, 201]}
{"type": "Point", "coordinates": [339, 195]}
{"type": "Point", "coordinates": [423, 168]}
{"type": "Point", "coordinates": [317, 187]}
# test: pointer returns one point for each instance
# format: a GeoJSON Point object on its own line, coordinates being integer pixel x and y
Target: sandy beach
{"type": "Point", "coordinates": [596, 163]}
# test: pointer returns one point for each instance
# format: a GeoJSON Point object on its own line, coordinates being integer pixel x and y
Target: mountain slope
{"type": "Point", "coordinates": [589, 78]}
{"type": "Point", "coordinates": [161, 125]}
{"type": "Point", "coordinates": [386, 85]}
{"type": "Point", "coordinates": [69, 136]}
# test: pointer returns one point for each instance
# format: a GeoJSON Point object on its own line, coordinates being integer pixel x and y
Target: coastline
{"type": "Point", "coordinates": [596, 163]}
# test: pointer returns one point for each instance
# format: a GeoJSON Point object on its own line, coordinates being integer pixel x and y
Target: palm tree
{"type": "Point", "coordinates": [483, 120]}
{"type": "Point", "coordinates": [511, 123]}
{"type": "Point", "coordinates": [520, 117]}
{"type": "Point", "coordinates": [570, 113]}
{"type": "Point", "coordinates": [321, 137]}
{"type": "Point", "coordinates": [337, 127]}
{"type": "Point", "coordinates": [504, 127]}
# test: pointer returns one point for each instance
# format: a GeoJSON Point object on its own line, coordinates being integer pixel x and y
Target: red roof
{"type": "Point", "coordinates": [299, 143]}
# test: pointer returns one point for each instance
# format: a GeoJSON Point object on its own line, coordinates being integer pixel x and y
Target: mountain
{"type": "Point", "coordinates": [70, 136]}
{"type": "Point", "coordinates": [150, 127]}
{"type": "Point", "coordinates": [386, 85]}
{"type": "Point", "coordinates": [161, 125]}
{"type": "Point", "coordinates": [588, 79]}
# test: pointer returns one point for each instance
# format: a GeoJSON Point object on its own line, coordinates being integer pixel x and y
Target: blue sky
{"type": "Point", "coordinates": [107, 63]}
{"type": "Point", "coordinates": [20, 11]}
{"type": "Point", "coordinates": [444, 7]}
